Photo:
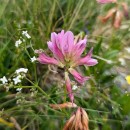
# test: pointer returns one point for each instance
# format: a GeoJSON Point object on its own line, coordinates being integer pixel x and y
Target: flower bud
{"type": "Point", "coordinates": [68, 87]}
{"type": "Point", "coordinates": [125, 10]}
{"type": "Point", "coordinates": [106, 1]}
{"type": "Point", "coordinates": [63, 105]}
{"type": "Point", "coordinates": [69, 122]}
{"type": "Point", "coordinates": [78, 121]}
{"type": "Point", "coordinates": [85, 119]}
{"type": "Point", "coordinates": [117, 20]}
{"type": "Point", "coordinates": [110, 14]}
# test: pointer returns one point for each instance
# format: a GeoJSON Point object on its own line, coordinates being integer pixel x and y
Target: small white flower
{"type": "Point", "coordinates": [17, 79]}
{"type": "Point", "coordinates": [3, 80]}
{"type": "Point", "coordinates": [21, 70]}
{"type": "Point", "coordinates": [18, 42]}
{"type": "Point", "coordinates": [33, 59]}
{"type": "Point", "coordinates": [18, 89]}
{"type": "Point", "coordinates": [25, 33]}
{"type": "Point", "coordinates": [74, 87]}
{"type": "Point", "coordinates": [122, 61]}
{"type": "Point", "coordinates": [127, 49]}
{"type": "Point", "coordinates": [109, 61]}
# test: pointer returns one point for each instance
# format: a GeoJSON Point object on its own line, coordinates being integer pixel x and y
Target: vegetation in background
{"type": "Point", "coordinates": [105, 97]}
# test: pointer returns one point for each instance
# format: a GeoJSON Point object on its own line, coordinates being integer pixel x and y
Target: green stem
{"type": "Point", "coordinates": [41, 90]}
{"type": "Point", "coordinates": [35, 71]}
{"type": "Point", "coordinates": [36, 86]}
{"type": "Point", "coordinates": [23, 86]}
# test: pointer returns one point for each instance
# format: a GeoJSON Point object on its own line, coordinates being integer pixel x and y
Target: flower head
{"type": "Point", "coordinates": [106, 1]}
{"type": "Point", "coordinates": [66, 51]}
{"type": "Point", "coordinates": [78, 121]}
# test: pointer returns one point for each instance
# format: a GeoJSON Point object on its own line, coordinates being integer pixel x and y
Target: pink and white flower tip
{"type": "Point", "coordinates": [69, 87]}
{"type": "Point", "coordinates": [106, 1]}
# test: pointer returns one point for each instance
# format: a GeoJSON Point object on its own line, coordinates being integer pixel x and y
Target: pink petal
{"type": "Point", "coordinates": [106, 1]}
{"type": "Point", "coordinates": [79, 48]}
{"type": "Point", "coordinates": [67, 42]}
{"type": "Point", "coordinates": [70, 39]}
{"type": "Point", "coordinates": [68, 87]}
{"type": "Point", "coordinates": [60, 39]}
{"type": "Point", "coordinates": [44, 59]}
{"type": "Point", "coordinates": [87, 60]}
{"type": "Point", "coordinates": [57, 53]}
{"type": "Point", "coordinates": [52, 45]}
{"type": "Point", "coordinates": [78, 76]}
{"type": "Point", "coordinates": [91, 62]}
{"type": "Point", "coordinates": [62, 32]}
{"type": "Point", "coordinates": [53, 37]}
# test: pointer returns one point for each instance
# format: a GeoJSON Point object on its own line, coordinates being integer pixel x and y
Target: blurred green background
{"type": "Point", "coordinates": [106, 97]}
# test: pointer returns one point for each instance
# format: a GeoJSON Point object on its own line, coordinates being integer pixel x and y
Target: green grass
{"type": "Point", "coordinates": [105, 100]}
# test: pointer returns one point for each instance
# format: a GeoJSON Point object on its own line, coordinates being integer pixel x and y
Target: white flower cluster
{"type": "Point", "coordinates": [18, 42]}
{"type": "Point", "coordinates": [19, 75]}
{"type": "Point", "coordinates": [21, 70]}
